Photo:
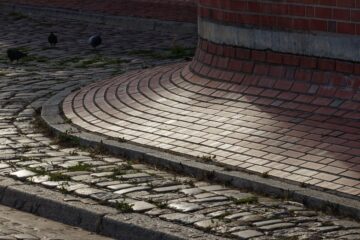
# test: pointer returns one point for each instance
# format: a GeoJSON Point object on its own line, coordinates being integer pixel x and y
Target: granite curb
{"type": "Point", "coordinates": [312, 198]}
{"type": "Point", "coordinates": [89, 215]}
{"type": "Point", "coordinates": [130, 23]}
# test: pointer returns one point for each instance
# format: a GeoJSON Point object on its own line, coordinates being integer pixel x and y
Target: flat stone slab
{"type": "Point", "coordinates": [173, 216]}
{"type": "Point", "coordinates": [169, 189]}
{"type": "Point", "coordinates": [247, 234]}
{"type": "Point", "coordinates": [206, 224]}
{"type": "Point", "coordinates": [185, 206]}
{"type": "Point", "coordinates": [267, 222]}
{"type": "Point", "coordinates": [277, 226]}
{"type": "Point", "coordinates": [22, 174]}
{"type": "Point", "coordinates": [132, 189]}
{"type": "Point", "coordinates": [87, 191]}
{"type": "Point", "coordinates": [120, 186]}
{"type": "Point", "coordinates": [141, 206]}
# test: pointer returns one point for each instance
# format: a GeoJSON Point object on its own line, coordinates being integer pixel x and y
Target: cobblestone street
{"type": "Point", "coordinates": [30, 155]}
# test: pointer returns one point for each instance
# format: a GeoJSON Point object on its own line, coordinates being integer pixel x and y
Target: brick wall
{"type": "Point", "coordinates": [330, 77]}
{"type": "Point", "coordinates": [173, 10]}
{"type": "Point", "coordinates": [335, 16]}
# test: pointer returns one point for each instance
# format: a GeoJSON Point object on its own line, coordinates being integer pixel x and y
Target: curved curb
{"type": "Point", "coordinates": [311, 198]}
{"type": "Point", "coordinates": [130, 23]}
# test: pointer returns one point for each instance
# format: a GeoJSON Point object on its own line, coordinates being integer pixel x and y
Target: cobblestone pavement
{"type": "Point", "coordinates": [16, 225]}
{"type": "Point", "coordinates": [28, 154]}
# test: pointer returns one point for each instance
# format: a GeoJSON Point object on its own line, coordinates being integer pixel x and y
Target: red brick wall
{"type": "Point", "coordinates": [338, 16]}
{"type": "Point", "coordinates": [298, 74]}
{"type": "Point", "coordinates": [174, 10]}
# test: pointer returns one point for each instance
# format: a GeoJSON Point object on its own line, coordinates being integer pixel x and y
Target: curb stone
{"type": "Point", "coordinates": [130, 23]}
{"type": "Point", "coordinates": [312, 198]}
{"type": "Point", "coordinates": [80, 212]}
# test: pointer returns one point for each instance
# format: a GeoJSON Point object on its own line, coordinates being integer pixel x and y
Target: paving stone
{"type": "Point", "coordinates": [206, 224]}
{"type": "Point", "coordinates": [173, 216]}
{"type": "Point", "coordinates": [53, 184]}
{"type": "Point", "coordinates": [191, 191]}
{"type": "Point", "coordinates": [87, 191]}
{"type": "Point", "coordinates": [22, 174]}
{"type": "Point", "coordinates": [247, 234]}
{"type": "Point", "coordinates": [107, 183]}
{"type": "Point", "coordinates": [185, 206]}
{"type": "Point", "coordinates": [169, 189]}
{"type": "Point", "coordinates": [325, 228]}
{"type": "Point", "coordinates": [190, 219]}
{"type": "Point", "coordinates": [213, 188]}
{"type": "Point", "coordinates": [209, 199]}
{"type": "Point", "coordinates": [158, 212]}
{"type": "Point", "coordinates": [276, 226]}
{"type": "Point", "coordinates": [238, 215]}
{"type": "Point", "coordinates": [25, 236]}
{"type": "Point", "coordinates": [141, 206]}
{"type": "Point", "coordinates": [267, 222]}
{"type": "Point", "coordinates": [39, 179]}
{"type": "Point", "coordinates": [346, 224]}
{"type": "Point", "coordinates": [120, 186]}
{"type": "Point", "coordinates": [252, 218]}
{"type": "Point", "coordinates": [134, 175]}
{"type": "Point", "coordinates": [132, 189]}
{"type": "Point", "coordinates": [4, 165]}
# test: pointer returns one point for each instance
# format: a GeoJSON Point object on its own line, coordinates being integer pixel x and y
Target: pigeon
{"type": "Point", "coordinates": [15, 55]}
{"type": "Point", "coordinates": [53, 40]}
{"type": "Point", "coordinates": [95, 40]}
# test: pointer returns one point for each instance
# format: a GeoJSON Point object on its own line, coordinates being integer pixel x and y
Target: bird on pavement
{"type": "Point", "coordinates": [53, 40]}
{"type": "Point", "coordinates": [15, 55]}
{"type": "Point", "coordinates": [95, 40]}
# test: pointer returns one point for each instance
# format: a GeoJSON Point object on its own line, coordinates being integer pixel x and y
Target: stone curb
{"type": "Point", "coordinates": [130, 23]}
{"type": "Point", "coordinates": [80, 212]}
{"type": "Point", "coordinates": [312, 198]}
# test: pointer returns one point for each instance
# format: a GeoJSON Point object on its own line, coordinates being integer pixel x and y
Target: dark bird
{"type": "Point", "coordinates": [95, 40]}
{"type": "Point", "coordinates": [53, 40]}
{"type": "Point", "coordinates": [15, 55]}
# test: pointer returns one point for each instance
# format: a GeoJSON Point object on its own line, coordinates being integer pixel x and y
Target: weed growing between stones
{"type": "Point", "coordinates": [123, 206]}
{"type": "Point", "coordinates": [66, 140]}
{"type": "Point", "coordinates": [122, 140]}
{"type": "Point", "coordinates": [40, 125]}
{"type": "Point", "coordinates": [265, 174]}
{"type": "Point", "coordinates": [39, 170]}
{"type": "Point", "coordinates": [80, 167]}
{"type": "Point", "coordinates": [207, 158]}
{"type": "Point", "coordinates": [57, 176]}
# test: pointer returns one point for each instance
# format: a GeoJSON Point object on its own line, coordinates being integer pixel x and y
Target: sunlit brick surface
{"type": "Point", "coordinates": [245, 126]}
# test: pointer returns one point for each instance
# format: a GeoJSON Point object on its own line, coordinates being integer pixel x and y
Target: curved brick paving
{"type": "Point", "coordinates": [27, 154]}
{"type": "Point", "coordinates": [172, 108]}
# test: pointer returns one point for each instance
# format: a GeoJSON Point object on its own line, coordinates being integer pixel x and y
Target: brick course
{"type": "Point", "coordinates": [296, 74]}
{"type": "Point", "coordinates": [336, 16]}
